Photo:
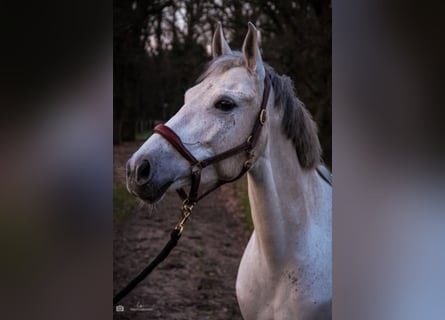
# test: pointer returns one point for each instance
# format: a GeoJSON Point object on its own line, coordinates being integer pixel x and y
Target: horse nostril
{"type": "Point", "coordinates": [143, 172]}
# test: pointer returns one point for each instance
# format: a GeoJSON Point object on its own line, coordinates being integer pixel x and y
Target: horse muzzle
{"type": "Point", "coordinates": [153, 169]}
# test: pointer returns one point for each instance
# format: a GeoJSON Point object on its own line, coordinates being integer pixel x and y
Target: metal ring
{"type": "Point", "coordinates": [187, 206]}
{"type": "Point", "coordinates": [248, 163]}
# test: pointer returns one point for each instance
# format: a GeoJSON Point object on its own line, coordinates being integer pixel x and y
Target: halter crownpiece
{"type": "Point", "coordinates": [196, 166]}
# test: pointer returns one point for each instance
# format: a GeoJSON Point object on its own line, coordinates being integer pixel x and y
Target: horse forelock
{"type": "Point", "coordinates": [297, 123]}
{"type": "Point", "coordinates": [221, 64]}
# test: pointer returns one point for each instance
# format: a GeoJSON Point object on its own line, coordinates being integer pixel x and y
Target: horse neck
{"type": "Point", "coordinates": [285, 200]}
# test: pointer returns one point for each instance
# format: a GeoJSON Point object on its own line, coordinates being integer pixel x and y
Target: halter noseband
{"type": "Point", "coordinates": [196, 166]}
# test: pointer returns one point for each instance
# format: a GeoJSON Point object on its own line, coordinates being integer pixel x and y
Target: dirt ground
{"type": "Point", "coordinates": [197, 280]}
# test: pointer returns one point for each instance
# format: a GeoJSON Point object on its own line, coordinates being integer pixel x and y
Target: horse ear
{"type": "Point", "coordinates": [219, 44]}
{"type": "Point", "coordinates": [251, 50]}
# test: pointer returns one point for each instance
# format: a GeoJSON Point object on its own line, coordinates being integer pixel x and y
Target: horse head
{"type": "Point", "coordinates": [218, 114]}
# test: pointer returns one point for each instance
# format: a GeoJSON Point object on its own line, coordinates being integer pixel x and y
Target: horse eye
{"type": "Point", "coordinates": [225, 105]}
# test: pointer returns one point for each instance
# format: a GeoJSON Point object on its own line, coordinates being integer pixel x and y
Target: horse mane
{"type": "Point", "coordinates": [297, 123]}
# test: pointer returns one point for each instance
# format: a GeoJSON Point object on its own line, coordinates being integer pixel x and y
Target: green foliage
{"type": "Point", "coordinates": [124, 203]}
{"type": "Point", "coordinates": [142, 136]}
{"type": "Point", "coordinates": [241, 192]}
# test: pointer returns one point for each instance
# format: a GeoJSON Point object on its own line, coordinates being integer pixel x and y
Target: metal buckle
{"type": "Point", "coordinates": [263, 116]}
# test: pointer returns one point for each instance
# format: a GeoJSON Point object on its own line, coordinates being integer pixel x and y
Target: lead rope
{"type": "Point", "coordinates": [186, 211]}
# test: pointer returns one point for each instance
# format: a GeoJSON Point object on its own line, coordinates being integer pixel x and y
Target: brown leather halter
{"type": "Point", "coordinates": [196, 165]}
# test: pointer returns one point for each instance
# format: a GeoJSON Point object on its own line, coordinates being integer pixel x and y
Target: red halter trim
{"type": "Point", "coordinates": [246, 146]}
{"type": "Point", "coordinates": [174, 140]}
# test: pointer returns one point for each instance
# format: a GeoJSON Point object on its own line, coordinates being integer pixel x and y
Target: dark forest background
{"type": "Point", "coordinates": [160, 47]}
